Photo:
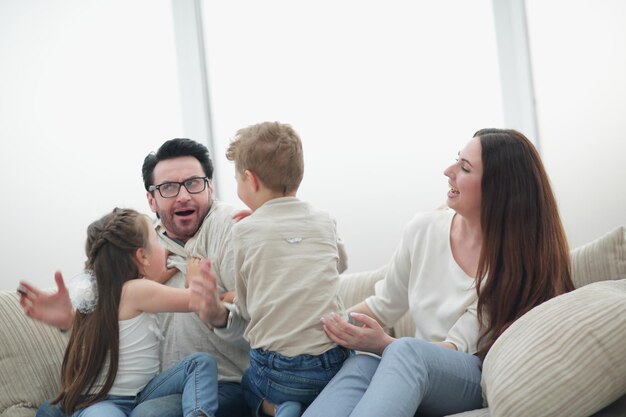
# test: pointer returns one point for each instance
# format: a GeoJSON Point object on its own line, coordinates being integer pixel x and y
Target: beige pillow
{"type": "Point", "coordinates": [566, 357]}
{"type": "Point", "coordinates": [355, 287]}
{"type": "Point", "coordinates": [30, 359]}
{"type": "Point", "coordinates": [602, 259]}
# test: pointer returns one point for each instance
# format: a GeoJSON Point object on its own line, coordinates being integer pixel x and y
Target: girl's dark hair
{"type": "Point", "coordinates": [524, 259]}
{"type": "Point", "coordinates": [112, 242]}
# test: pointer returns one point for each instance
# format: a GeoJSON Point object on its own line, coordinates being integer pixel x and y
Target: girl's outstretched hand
{"type": "Point", "coordinates": [205, 298]}
{"type": "Point", "coordinates": [193, 270]}
{"type": "Point", "coordinates": [366, 335]}
{"type": "Point", "coordinates": [52, 308]}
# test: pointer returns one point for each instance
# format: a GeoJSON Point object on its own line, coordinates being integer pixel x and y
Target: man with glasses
{"type": "Point", "coordinates": [177, 179]}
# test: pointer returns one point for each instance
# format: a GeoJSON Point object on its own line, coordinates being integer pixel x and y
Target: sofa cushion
{"type": "Point", "coordinates": [30, 359]}
{"type": "Point", "coordinates": [566, 357]}
{"type": "Point", "coordinates": [357, 286]}
{"type": "Point", "coordinates": [483, 412]}
{"type": "Point", "coordinates": [601, 259]}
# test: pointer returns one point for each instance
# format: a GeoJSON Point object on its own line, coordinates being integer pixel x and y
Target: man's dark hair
{"type": "Point", "coordinates": [175, 148]}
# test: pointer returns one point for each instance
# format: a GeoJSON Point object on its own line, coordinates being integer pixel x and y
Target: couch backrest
{"type": "Point", "coordinates": [31, 353]}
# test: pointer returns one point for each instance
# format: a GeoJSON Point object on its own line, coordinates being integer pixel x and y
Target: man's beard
{"type": "Point", "coordinates": [187, 231]}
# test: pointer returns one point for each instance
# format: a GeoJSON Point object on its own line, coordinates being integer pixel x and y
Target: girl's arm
{"type": "Point", "coordinates": [165, 276]}
{"type": "Point", "coordinates": [144, 295]}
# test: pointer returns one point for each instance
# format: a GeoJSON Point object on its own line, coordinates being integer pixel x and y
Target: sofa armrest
{"type": "Point", "coordinates": [31, 354]}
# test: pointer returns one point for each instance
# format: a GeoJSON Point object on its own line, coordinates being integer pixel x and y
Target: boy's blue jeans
{"type": "Point", "coordinates": [195, 376]}
{"type": "Point", "coordinates": [279, 379]}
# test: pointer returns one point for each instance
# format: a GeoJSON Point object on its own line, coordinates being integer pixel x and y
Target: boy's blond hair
{"type": "Point", "coordinates": [273, 151]}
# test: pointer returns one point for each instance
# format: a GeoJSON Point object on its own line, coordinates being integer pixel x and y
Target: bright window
{"type": "Point", "coordinates": [383, 95]}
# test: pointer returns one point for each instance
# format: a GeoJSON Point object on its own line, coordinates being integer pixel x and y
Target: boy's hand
{"type": "Point", "coordinates": [54, 309]}
{"type": "Point", "coordinates": [242, 214]}
{"type": "Point", "coordinates": [228, 297]}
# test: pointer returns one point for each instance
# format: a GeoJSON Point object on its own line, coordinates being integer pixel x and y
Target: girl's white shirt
{"type": "Point", "coordinates": [139, 359]}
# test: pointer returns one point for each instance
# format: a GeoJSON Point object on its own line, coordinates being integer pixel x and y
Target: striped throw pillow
{"type": "Point", "coordinates": [566, 357]}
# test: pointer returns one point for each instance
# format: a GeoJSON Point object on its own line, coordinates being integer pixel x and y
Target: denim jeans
{"type": "Point", "coordinates": [230, 399]}
{"type": "Point", "coordinates": [280, 379]}
{"type": "Point", "coordinates": [413, 378]}
{"type": "Point", "coordinates": [195, 377]}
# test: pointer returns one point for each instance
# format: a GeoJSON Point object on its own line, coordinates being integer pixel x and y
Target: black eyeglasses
{"type": "Point", "coordinates": [193, 185]}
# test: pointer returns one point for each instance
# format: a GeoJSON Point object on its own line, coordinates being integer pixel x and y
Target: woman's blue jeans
{"type": "Point", "coordinates": [195, 377]}
{"type": "Point", "coordinates": [413, 378]}
{"type": "Point", "coordinates": [280, 379]}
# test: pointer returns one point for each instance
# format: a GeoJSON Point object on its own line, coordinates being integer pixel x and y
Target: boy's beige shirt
{"type": "Point", "coordinates": [287, 259]}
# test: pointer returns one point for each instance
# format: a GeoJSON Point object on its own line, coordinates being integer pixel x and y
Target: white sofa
{"type": "Point", "coordinates": [566, 357]}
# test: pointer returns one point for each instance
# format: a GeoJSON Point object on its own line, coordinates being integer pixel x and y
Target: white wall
{"type": "Point", "coordinates": [87, 88]}
{"type": "Point", "coordinates": [578, 51]}
{"type": "Point", "coordinates": [383, 94]}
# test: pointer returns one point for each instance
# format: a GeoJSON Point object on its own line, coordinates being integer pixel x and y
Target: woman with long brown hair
{"type": "Point", "coordinates": [111, 363]}
{"type": "Point", "coordinates": [465, 274]}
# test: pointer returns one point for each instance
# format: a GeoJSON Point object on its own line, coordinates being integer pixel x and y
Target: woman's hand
{"type": "Point", "coordinates": [370, 337]}
{"type": "Point", "coordinates": [54, 309]}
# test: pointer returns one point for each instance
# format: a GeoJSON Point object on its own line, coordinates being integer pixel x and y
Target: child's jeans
{"type": "Point", "coordinates": [195, 377]}
{"type": "Point", "coordinates": [279, 379]}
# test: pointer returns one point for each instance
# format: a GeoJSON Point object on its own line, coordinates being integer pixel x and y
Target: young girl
{"type": "Point", "coordinates": [111, 362]}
